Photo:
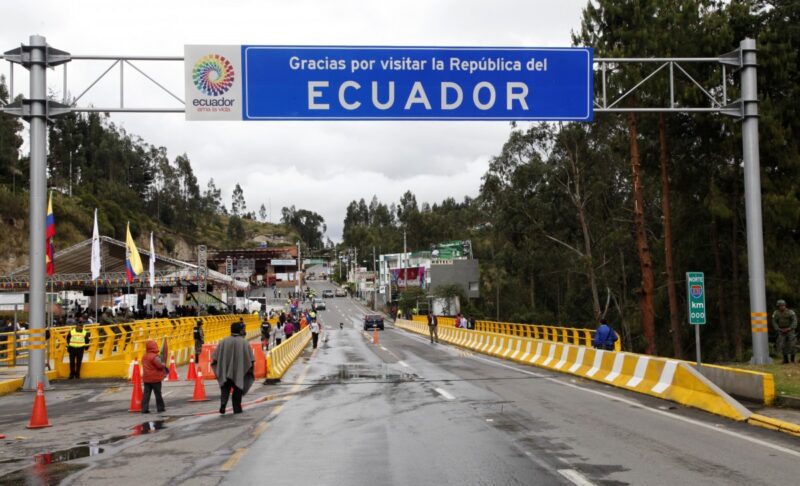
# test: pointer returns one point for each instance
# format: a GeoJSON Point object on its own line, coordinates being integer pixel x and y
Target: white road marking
{"type": "Point", "coordinates": [444, 394]}
{"type": "Point", "coordinates": [632, 403]}
{"type": "Point", "coordinates": [653, 410]}
{"type": "Point", "coordinates": [403, 363]}
{"type": "Point", "coordinates": [575, 477]}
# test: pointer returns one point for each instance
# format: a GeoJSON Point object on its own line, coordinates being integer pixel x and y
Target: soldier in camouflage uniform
{"type": "Point", "coordinates": [784, 321]}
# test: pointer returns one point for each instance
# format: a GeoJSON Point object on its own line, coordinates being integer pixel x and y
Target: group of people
{"type": "Point", "coordinates": [288, 324]}
{"type": "Point", "coordinates": [233, 362]}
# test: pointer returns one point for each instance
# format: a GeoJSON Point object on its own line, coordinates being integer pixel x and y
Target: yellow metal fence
{"type": "Point", "coordinates": [571, 335]}
{"type": "Point", "coordinates": [112, 346]}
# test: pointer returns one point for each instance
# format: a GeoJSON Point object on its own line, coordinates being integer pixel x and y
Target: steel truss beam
{"type": "Point", "coordinates": [604, 68]}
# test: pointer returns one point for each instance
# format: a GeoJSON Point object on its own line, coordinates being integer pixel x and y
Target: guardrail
{"type": "Point", "coordinates": [557, 334]}
{"type": "Point", "coordinates": [659, 377]}
{"type": "Point", "coordinates": [114, 344]}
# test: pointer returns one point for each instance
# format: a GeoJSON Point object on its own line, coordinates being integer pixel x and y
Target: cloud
{"type": "Point", "coordinates": [320, 166]}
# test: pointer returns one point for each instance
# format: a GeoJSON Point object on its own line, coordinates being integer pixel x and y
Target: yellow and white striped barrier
{"type": "Point", "coordinates": [659, 377]}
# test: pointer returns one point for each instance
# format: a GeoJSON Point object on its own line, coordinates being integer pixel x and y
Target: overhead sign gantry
{"type": "Point", "coordinates": [387, 83]}
{"type": "Point", "coordinates": [279, 83]}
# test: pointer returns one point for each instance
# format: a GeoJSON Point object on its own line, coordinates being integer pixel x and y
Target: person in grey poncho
{"type": "Point", "coordinates": [232, 362]}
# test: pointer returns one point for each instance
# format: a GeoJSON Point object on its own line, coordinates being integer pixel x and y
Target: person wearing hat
{"type": "Point", "coordinates": [784, 321]}
{"type": "Point", "coordinates": [233, 363]}
{"type": "Point", "coordinates": [77, 342]}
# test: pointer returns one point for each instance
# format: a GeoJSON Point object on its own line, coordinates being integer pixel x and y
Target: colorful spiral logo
{"type": "Point", "coordinates": [213, 75]}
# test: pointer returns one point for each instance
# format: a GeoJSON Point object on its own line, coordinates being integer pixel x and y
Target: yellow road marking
{"type": "Point", "coordinates": [260, 428]}
{"type": "Point", "coordinates": [233, 460]}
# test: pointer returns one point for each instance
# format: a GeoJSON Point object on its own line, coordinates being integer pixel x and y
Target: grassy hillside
{"type": "Point", "coordinates": [74, 215]}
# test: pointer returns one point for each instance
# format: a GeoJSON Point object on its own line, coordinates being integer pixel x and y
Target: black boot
{"type": "Point", "coordinates": [785, 359]}
{"type": "Point", "coordinates": [791, 357]}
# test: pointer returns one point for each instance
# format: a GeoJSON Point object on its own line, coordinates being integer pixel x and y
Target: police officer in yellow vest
{"type": "Point", "coordinates": [77, 342]}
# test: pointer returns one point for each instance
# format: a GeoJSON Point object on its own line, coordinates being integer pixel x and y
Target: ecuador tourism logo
{"type": "Point", "coordinates": [213, 75]}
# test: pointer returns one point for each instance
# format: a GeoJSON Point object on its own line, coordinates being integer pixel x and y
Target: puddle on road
{"type": "Point", "coordinates": [149, 427]}
{"type": "Point", "coordinates": [50, 468]}
{"type": "Point", "coordinates": [40, 475]}
{"type": "Point", "coordinates": [355, 372]}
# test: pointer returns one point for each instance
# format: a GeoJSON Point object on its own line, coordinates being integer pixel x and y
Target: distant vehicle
{"type": "Point", "coordinates": [328, 293]}
{"type": "Point", "coordinates": [341, 293]}
{"type": "Point", "coordinates": [371, 321]}
{"type": "Point", "coordinates": [319, 304]}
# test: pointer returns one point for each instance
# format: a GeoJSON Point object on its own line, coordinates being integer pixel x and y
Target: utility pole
{"type": "Point", "coordinates": [299, 269]}
{"type": "Point", "coordinates": [374, 280]}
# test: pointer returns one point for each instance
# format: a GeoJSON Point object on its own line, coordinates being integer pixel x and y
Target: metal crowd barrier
{"type": "Point", "coordinates": [570, 335]}
{"type": "Point", "coordinates": [122, 341]}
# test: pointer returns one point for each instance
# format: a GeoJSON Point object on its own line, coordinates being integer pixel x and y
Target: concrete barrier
{"type": "Point", "coordinates": [745, 384]}
{"type": "Point", "coordinates": [659, 377]}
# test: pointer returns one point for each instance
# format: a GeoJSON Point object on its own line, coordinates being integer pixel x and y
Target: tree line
{"type": "Point", "coordinates": [98, 164]}
{"type": "Point", "coordinates": [575, 222]}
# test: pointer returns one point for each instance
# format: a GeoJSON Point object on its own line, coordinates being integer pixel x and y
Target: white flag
{"type": "Point", "coordinates": [152, 262]}
{"type": "Point", "coordinates": [96, 263]}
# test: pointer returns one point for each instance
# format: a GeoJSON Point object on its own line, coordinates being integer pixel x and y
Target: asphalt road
{"type": "Point", "coordinates": [408, 412]}
{"type": "Point", "coordinates": [404, 412]}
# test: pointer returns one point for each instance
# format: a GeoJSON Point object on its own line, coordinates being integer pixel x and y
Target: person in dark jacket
{"type": "Point", "coordinates": [266, 329]}
{"type": "Point", "coordinates": [604, 337]}
{"type": "Point", "coordinates": [153, 374]}
{"type": "Point", "coordinates": [433, 327]}
{"type": "Point", "coordinates": [199, 339]}
{"type": "Point", "coordinates": [233, 363]}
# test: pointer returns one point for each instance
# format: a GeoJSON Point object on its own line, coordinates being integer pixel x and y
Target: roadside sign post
{"type": "Point", "coordinates": [696, 298]}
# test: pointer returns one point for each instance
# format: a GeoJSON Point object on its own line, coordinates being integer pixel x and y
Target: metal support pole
{"type": "Point", "coordinates": [752, 199]}
{"type": "Point", "coordinates": [697, 344]}
{"type": "Point", "coordinates": [38, 195]}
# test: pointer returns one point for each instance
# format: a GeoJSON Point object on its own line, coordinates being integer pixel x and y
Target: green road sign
{"type": "Point", "coordinates": [696, 296]}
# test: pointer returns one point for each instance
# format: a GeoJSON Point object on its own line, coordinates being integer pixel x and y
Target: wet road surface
{"type": "Point", "coordinates": [400, 412]}
{"type": "Point", "coordinates": [408, 412]}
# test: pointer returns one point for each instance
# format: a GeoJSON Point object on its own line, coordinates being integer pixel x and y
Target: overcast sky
{"type": "Point", "coordinates": [320, 166]}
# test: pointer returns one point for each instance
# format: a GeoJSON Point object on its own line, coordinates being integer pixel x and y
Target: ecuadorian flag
{"type": "Point", "coordinates": [133, 262]}
{"type": "Point", "coordinates": [50, 232]}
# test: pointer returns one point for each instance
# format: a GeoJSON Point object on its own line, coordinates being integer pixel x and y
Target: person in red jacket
{"type": "Point", "coordinates": [152, 376]}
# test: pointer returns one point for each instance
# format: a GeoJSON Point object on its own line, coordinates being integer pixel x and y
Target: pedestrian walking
{"type": "Point", "coordinates": [315, 328]}
{"type": "Point", "coordinates": [233, 362]}
{"type": "Point", "coordinates": [288, 329]}
{"type": "Point", "coordinates": [433, 327]}
{"type": "Point", "coordinates": [266, 329]}
{"type": "Point", "coordinates": [604, 337]}
{"type": "Point", "coordinates": [280, 335]}
{"type": "Point", "coordinates": [199, 339]}
{"type": "Point", "coordinates": [153, 373]}
{"type": "Point", "coordinates": [784, 321]}
{"type": "Point", "coordinates": [77, 343]}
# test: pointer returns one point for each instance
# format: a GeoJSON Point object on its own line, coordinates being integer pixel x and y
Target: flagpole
{"type": "Point", "coordinates": [96, 301]}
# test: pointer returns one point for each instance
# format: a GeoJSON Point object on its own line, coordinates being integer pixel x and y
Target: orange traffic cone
{"type": "Point", "coordinates": [199, 389]}
{"type": "Point", "coordinates": [136, 395]}
{"type": "Point", "coordinates": [39, 415]}
{"type": "Point", "coordinates": [375, 336]}
{"type": "Point", "coordinates": [173, 373]}
{"type": "Point", "coordinates": [136, 374]}
{"type": "Point", "coordinates": [192, 373]}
